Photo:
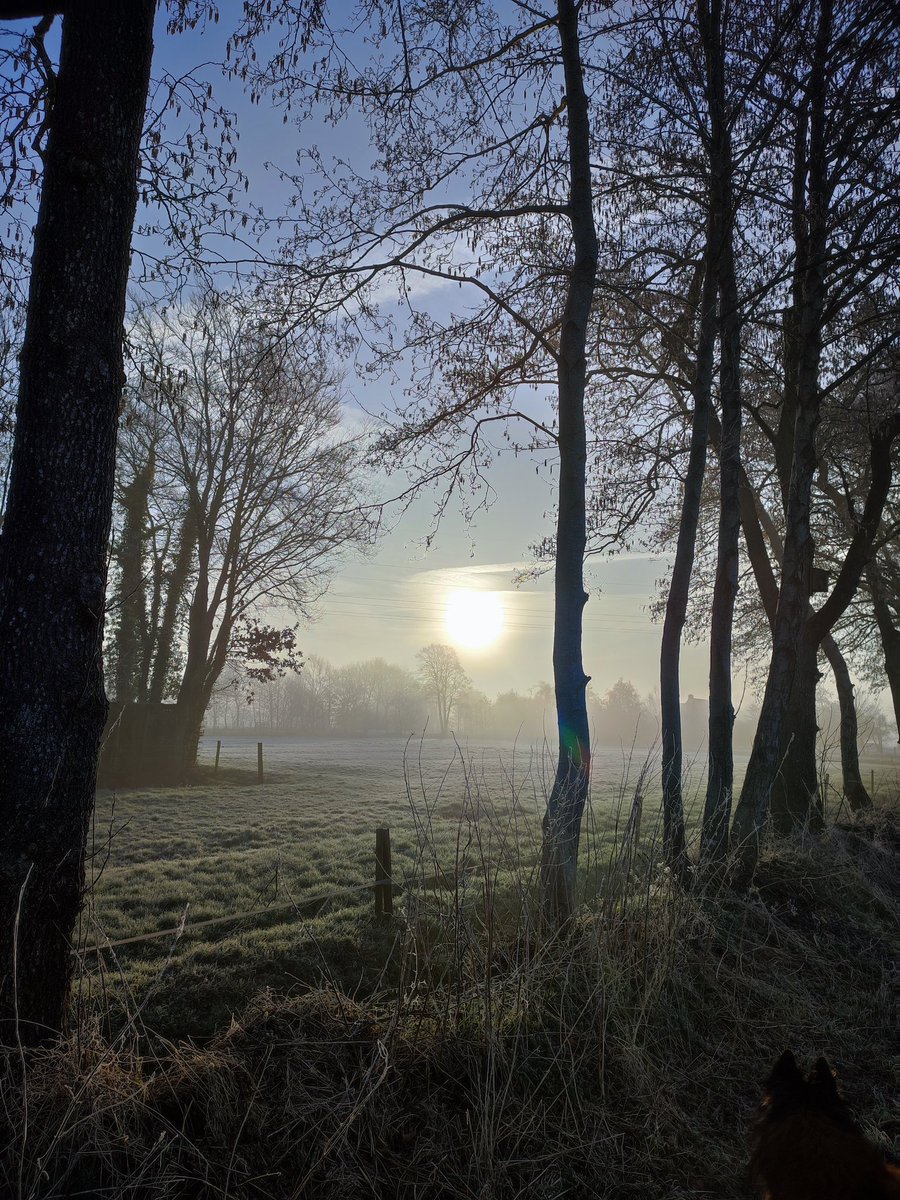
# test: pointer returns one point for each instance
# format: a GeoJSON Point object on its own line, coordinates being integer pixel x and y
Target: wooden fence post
{"type": "Point", "coordinates": [259, 762]}
{"type": "Point", "coordinates": [218, 752]}
{"type": "Point", "coordinates": [872, 782]}
{"type": "Point", "coordinates": [384, 893]}
{"type": "Point", "coordinates": [637, 809]}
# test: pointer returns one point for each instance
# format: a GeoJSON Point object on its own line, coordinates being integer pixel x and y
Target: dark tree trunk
{"type": "Point", "coordinates": [131, 639]}
{"type": "Point", "coordinates": [795, 801]}
{"type": "Point", "coordinates": [53, 546]}
{"type": "Point", "coordinates": [890, 634]}
{"type": "Point", "coordinates": [720, 781]}
{"type": "Point", "coordinates": [679, 588]}
{"type": "Point", "coordinates": [193, 701]}
{"type": "Point", "coordinates": [854, 788]}
{"type": "Point", "coordinates": [803, 387]}
{"type": "Point", "coordinates": [753, 807]}
{"type": "Point", "coordinates": [749, 822]}
{"type": "Point", "coordinates": [175, 590]}
{"type": "Point", "coordinates": [193, 693]}
{"type": "Point", "coordinates": [562, 820]}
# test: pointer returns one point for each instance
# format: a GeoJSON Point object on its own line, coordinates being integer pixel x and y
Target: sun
{"type": "Point", "coordinates": [474, 619]}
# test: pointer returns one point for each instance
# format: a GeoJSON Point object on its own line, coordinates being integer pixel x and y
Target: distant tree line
{"type": "Point", "coordinates": [375, 698]}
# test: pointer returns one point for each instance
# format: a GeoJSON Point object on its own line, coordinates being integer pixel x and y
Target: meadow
{"type": "Point", "coordinates": [458, 1051]}
{"type": "Point", "coordinates": [297, 853]}
{"type": "Point", "coordinates": [166, 859]}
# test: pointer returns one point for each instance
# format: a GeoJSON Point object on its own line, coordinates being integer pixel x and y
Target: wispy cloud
{"type": "Point", "coordinates": [486, 576]}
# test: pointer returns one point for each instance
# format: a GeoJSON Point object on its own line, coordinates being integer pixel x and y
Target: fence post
{"type": "Point", "coordinates": [872, 782]}
{"type": "Point", "coordinates": [218, 752]}
{"type": "Point", "coordinates": [259, 762]}
{"type": "Point", "coordinates": [637, 809]}
{"type": "Point", "coordinates": [384, 893]}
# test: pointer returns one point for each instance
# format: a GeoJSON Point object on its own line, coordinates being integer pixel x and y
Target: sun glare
{"type": "Point", "coordinates": [474, 619]}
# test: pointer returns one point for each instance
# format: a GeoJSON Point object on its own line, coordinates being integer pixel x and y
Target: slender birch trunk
{"type": "Point", "coordinates": [720, 781]}
{"type": "Point", "coordinates": [721, 711]}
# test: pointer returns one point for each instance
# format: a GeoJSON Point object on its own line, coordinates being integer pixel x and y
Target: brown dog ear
{"type": "Point", "coordinates": [821, 1077]}
{"type": "Point", "coordinates": [785, 1079]}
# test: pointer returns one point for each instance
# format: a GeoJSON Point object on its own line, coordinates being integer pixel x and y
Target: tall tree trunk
{"type": "Point", "coordinates": [753, 807]}
{"type": "Point", "coordinates": [193, 695]}
{"type": "Point", "coordinates": [720, 779]}
{"type": "Point", "coordinates": [793, 600]}
{"type": "Point", "coordinates": [562, 820]}
{"type": "Point", "coordinates": [53, 547]}
{"type": "Point", "coordinates": [795, 801]}
{"type": "Point", "coordinates": [175, 590]}
{"type": "Point", "coordinates": [679, 588]}
{"type": "Point", "coordinates": [890, 634]}
{"type": "Point", "coordinates": [854, 788]}
{"type": "Point", "coordinates": [130, 641]}
{"type": "Point", "coordinates": [193, 701]}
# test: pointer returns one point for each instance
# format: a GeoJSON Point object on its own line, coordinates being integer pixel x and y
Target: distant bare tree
{"type": "Point", "coordinates": [444, 678]}
{"type": "Point", "coordinates": [261, 492]}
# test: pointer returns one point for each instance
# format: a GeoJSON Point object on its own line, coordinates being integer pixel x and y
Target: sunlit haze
{"type": "Point", "coordinates": [474, 619]}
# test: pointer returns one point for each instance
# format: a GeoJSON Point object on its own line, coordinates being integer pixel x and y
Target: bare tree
{"type": "Point", "coordinates": [443, 678]}
{"type": "Point", "coordinates": [659, 299]}
{"type": "Point", "coordinates": [843, 129]}
{"type": "Point", "coordinates": [883, 582]}
{"type": "Point", "coordinates": [250, 458]}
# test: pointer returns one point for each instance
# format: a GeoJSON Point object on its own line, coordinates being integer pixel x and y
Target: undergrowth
{"type": "Point", "coordinates": [486, 1061]}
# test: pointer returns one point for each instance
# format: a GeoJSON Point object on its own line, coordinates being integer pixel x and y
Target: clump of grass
{"type": "Point", "coordinates": [475, 1056]}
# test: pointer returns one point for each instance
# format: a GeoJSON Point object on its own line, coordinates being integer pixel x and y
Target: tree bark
{"type": "Point", "coordinates": [131, 640]}
{"type": "Point", "coordinates": [796, 801]}
{"type": "Point", "coordinates": [562, 820]}
{"type": "Point", "coordinates": [793, 600]}
{"type": "Point", "coordinates": [175, 591]}
{"type": "Point", "coordinates": [890, 635]}
{"type": "Point", "coordinates": [193, 695]}
{"type": "Point", "coordinates": [679, 587]}
{"type": "Point", "coordinates": [854, 788]}
{"type": "Point", "coordinates": [53, 547]}
{"type": "Point", "coordinates": [720, 778]}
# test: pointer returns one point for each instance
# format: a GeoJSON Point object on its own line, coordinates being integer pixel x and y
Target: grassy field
{"type": "Point", "coordinates": [167, 859]}
{"type": "Point", "coordinates": [622, 1061]}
